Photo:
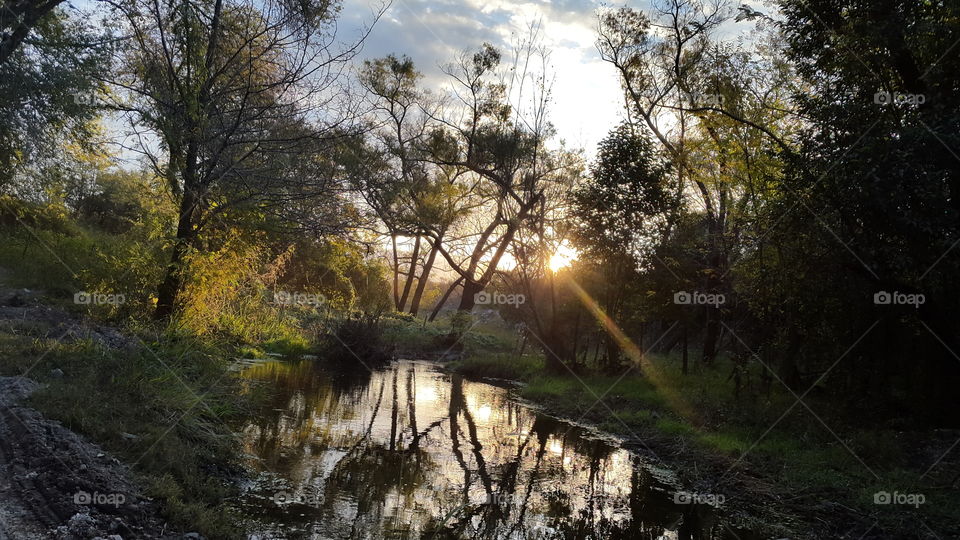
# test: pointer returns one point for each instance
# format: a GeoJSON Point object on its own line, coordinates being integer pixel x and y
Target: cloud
{"type": "Point", "coordinates": [432, 32]}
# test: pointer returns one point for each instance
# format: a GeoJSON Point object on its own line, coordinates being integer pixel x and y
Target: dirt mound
{"type": "Point", "coordinates": [20, 307]}
{"type": "Point", "coordinates": [54, 484]}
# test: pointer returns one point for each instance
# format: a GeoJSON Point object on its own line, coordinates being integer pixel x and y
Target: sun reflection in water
{"type": "Point", "coordinates": [395, 453]}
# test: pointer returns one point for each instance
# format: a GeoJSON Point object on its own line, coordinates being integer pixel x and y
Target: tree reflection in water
{"type": "Point", "coordinates": [408, 452]}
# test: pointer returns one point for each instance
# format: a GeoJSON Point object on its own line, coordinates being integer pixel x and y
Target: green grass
{"type": "Point", "coordinates": [799, 456]}
{"type": "Point", "coordinates": [411, 335]}
{"type": "Point", "coordinates": [110, 395]}
{"type": "Point", "coordinates": [499, 366]}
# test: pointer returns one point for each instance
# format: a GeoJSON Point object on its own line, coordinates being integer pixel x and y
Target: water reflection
{"type": "Point", "coordinates": [408, 452]}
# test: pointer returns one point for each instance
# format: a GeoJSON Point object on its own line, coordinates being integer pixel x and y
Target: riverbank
{"type": "Point", "coordinates": [773, 479]}
{"type": "Point", "coordinates": [129, 414]}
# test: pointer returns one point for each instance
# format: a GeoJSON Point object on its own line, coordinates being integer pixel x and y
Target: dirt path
{"type": "Point", "coordinates": [55, 484]}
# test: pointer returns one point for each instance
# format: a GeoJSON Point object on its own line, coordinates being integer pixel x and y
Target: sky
{"type": "Point", "coordinates": [587, 99]}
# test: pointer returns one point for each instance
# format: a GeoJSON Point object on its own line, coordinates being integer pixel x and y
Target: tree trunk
{"type": "Point", "coordinates": [169, 290]}
{"type": "Point", "coordinates": [396, 274]}
{"type": "Point", "coordinates": [443, 299]}
{"type": "Point", "coordinates": [468, 300]}
{"type": "Point", "coordinates": [613, 352]}
{"type": "Point", "coordinates": [556, 354]}
{"type": "Point", "coordinates": [26, 16]}
{"type": "Point", "coordinates": [685, 341]}
{"type": "Point", "coordinates": [712, 334]}
{"type": "Point", "coordinates": [410, 274]}
{"type": "Point", "coordinates": [422, 283]}
{"type": "Point", "coordinates": [713, 286]}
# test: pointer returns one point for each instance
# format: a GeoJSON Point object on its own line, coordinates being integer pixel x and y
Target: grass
{"type": "Point", "coordinates": [143, 407]}
{"type": "Point", "coordinates": [799, 457]}
{"type": "Point", "coordinates": [167, 409]}
{"type": "Point", "coordinates": [413, 336]}
{"type": "Point", "coordinates": [499, 366]}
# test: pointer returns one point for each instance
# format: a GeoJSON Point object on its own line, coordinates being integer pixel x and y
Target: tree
{"type": "Point", "coordinates": [497, 152]}
{"type": "Point", "coordinates": [18, 18]}
{"type": "Point", "coordinates": [51, 92]}
{"type": "Point", "coordinates": [408, 195]}
{"type": "Point", "coordinates": [718, 112]}
{"type": "Point", "coordinates": [623, 211]}
{"type": "Point", "coordinates": [225, 98]}
{"type": "Point", "coordinates": [876, 198]}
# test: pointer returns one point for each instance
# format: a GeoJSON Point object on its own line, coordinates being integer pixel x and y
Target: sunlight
{"type": "Point", "coordinates": [426, 394]}
{"type": "Point", "coordinates": [562, 257]}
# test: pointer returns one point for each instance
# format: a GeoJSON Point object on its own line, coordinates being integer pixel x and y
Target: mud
{"type": "Point", "coordinates": [55, 484]}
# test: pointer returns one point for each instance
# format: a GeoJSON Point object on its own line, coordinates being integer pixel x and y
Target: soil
{"type": "Point", "coordinates": [55, 484]}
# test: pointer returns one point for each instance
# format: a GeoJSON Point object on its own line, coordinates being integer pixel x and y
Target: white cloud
{"type": "Point", "coordinates": [586, 91]}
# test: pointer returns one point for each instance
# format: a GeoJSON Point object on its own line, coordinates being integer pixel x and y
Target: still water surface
{"type": "Point", "coordinates": [408, 452]}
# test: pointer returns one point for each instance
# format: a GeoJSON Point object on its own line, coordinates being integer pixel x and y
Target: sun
{"type": "Point", "coordinates": [562, 258]}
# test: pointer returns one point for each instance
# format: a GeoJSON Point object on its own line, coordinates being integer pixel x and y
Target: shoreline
{"type": "Point", "coordinates": [754, 496]}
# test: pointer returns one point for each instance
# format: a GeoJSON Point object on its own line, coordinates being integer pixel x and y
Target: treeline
{"type": "Point", "coordinates": [790, 203]}
{"type": "Point", "coordinates": [787, 203]}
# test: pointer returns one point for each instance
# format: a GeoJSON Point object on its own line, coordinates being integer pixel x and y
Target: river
{"type": "Point", "coordinates": [408, 451]}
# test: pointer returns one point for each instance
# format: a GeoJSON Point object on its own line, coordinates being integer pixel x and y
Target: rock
{"type": "Point", "coordinates": [56, 373]}
{"type": "Point", "coordinates": [193, 536]}
{"type": "Point", "coordinates": [128, 436]}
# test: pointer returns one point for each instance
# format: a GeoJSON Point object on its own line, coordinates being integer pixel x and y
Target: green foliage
{"type": "Point", "coordinates": [52, 95]}
{"type": "Point", "coordinates": [460, 323]}
{"type": "Point", "coordinates": [340, 272]}
{"type": "Point", "coordinates": [877, 187]}
{"type": "Point", "coordinates": [626, 197]}
{"type": "Point", "coordinates": [226, 294]}
{"type": "Point", "coordinates": [61, 256]}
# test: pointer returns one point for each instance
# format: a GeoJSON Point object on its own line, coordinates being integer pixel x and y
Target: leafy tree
{"type": "Point", "coordinates": [875, 194]}
{"type": "Point", "coordinates": [623, 210]}
{"type": "Point", "coordinates": [49, 93]}
{"type": "Point", "coordinates": [406, 192]}
{"type": "Point", "coordinates": [500, 159]}
{"type": "Point", "coordinates": [230, 93]}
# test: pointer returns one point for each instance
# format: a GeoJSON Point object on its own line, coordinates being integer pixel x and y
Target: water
{"type": "Point", "coordinates": [410, 452]}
